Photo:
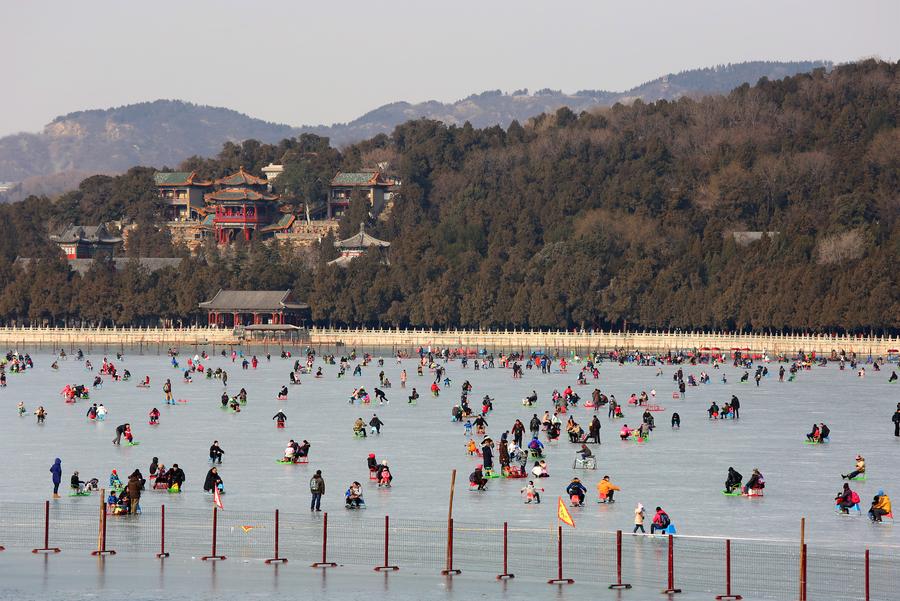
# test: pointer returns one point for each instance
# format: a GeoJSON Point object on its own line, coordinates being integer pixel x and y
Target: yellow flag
{"type": "Point", "coordinates": [247, 529]}
{"type": "Point", "coordinates": [563, 514]}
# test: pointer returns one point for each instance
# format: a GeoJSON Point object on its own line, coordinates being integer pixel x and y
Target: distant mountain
{"type": "Point", "coordinates": [497, 108]}
{"type": "Point", "coordinates": [165, 132]}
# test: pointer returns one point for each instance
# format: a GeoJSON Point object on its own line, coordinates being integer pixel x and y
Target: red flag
{"type": "Point", "coordinates": [217, 499]}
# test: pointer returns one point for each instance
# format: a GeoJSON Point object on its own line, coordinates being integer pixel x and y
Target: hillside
{"type": "Point", "coordinates": [650, 215]}
{"type": "Point", "coordinates": [165, 132]}
{"type": "Point", "coordinates": [497, 108]}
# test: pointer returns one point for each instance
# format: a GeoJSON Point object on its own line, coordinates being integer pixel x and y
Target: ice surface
{"type": "Point", "coordinates": [682, 471]}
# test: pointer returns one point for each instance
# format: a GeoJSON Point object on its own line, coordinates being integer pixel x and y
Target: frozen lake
{"type": "Point", "coordinates": [681, 470]}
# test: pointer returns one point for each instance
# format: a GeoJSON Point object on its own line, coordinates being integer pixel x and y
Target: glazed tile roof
{"type": "Point", "coordinates": [284, 222]}
{"type": "Point", "coordinates": [252, 300]}
{"type": "Point", "coordinates": [236, 194]}
{"type": "Point", "coordinates": [359, 178]}
{"type": "Point", "coordinates": [178, 178]}
{"type": "Point", "coordinates": [242, 178]}
{"type": "Point", "coordinates": [92, 234]}
{"type": "Point", "coordinates": [82, 266]}
{"type": "Point", "coordinates": [361, 240]}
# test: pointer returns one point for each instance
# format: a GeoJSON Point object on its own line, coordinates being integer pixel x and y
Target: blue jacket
{"type": "Point", "coordinates": [56, 470]}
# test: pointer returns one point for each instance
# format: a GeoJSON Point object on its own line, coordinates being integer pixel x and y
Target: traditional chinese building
{"type": "Point", "coordinates": [356, 245]}
{"type": "Point", "coordinates": [241, 205]}
{"type": "Point", "coordinates": [182, 194]}
{"type": "Point", "coordinates": [87, 241]}
{"type": "Point", "coordinates": [371, 184]}
{"type": "Point", "coordinates": [232, 308]}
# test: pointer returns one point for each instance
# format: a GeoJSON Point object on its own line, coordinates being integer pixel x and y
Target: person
{"type": "Point", "coordinates": [20, 407]}
{"type": "Point", "coordinates": [639, 519]}
{"type": "Point", "coordinates": [101, 412]}
{"type": "Point", "coordinates": [896, 420]}
{"type": "Point", "coordinates": [713, 410]}
{"type": "Point", "coordinates": [133, 488]}
{"type": "Point", "coordinates": [860, 469]}
{"type": "Point", "coordinates": [625, 432]}
{"type": "Point", "coordinates": [41, 414]}
{"type": "Point", "coordinates": [76, 483]}
{"type": "Point", "coordinates": [413, 396]}
{"type": "Point", "coordinates": [215, 452]}
{"type": "Point", "coordinates": [755, 483]}
{"type": "Point", "coordinates": [531, 493]}
{"type": "Point", "coordinates": [376, 424]}
{"type": "Point", "coordinates": [383, 474]}
{"type": "Point", "coordinates": [824, 432]}
{"type": "Point", "coordinates": [302, 450]}
{"type": "Point", "coordinates": [536, 446]}
{"type": "Point", "coordinates": [379, 394]}
{"type": "Point", "coordinates": [676, 420]}
{"type": "Point", "coordinates": [585, 452]}
{"type": "Point", "coordinates": [289, 452]}
{"type": "Point", "coordinates": [606, 490]}
{"type": "Point", "coordinates": [154, 465]}
{"type": "Point", "coordinates": [815, 435]}
{"type": "Point", "coordinates": [354, 495]}
{"type": "Point", "coordinates": [282, 394]}
{"type": "Point", "coordinates": [167, 389]}
{"type": "Point", "coordinates": [56, 471]}
{"type": "Point", "coordinates": [317, 490]}
{"type": "Point", "coordinates": [359, 427]}
{"type": "Point", "coordinates": [732, 481]}
{"type": "Point", "coordinates": [881, 506]}
{"type": "Point", "coordinates": [213, 480]}
{"type": "Point", "coordinates": [154, 416]}
{"type": "Point", "coordinates": [280, 418]}
{"type": "Point", "coordinates": [120, 431]}
{"type": "Point", "coordinates": [736, 406]}
{"type": "Point", "coordinates": [176, 477]}
{"type": "Point", "coordinates": [540, 469]}
{"type": "Point", "coordinates": [576, 489]}
{"type": "Point", "coordinates": [846, 499]}
{"type": "Point", "coordinates": [487, 454]}
{"type": "Point", "coordinates": [477, 479]}
{"type": "Point", "coordinates": [594, 431]}
{"type": "Point", "coordinates": [660, 522]}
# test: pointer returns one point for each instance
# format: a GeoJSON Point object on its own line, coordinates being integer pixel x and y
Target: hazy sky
{"type": "Point", "coordinates": [300, 62]}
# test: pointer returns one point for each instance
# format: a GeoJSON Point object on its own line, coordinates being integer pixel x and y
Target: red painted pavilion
{"type": "Point", "coordinates": [242, 205]}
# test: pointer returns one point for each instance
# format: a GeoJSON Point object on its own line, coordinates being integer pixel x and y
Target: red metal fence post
{"type": "Point", "coordinates": [505, 575]}
{"type": "Point", "coordinates": [162, 533]}
{"type": "Point", "coordinates": [449, 570]}
{"type": "Point", "coordinates": [728, 596]}
{"type": "Point", "coordinates": [324, 563]}
{"type": "Point", "coordinates": [559, 561]}
{"type": "Point", "coordinates": [46, 548]}
{"type": "Point", "coordinates": [277, 558]}
{"type": "Point", "coordinates": [215, 523]}
{"type": "Point", "coordinates": [671, 589]}
{"type": "Point", "coordinates": [386, 565]}
{"type": "Point", "coordinates": [803, 574]}
{"type": "Point", "coordinates": [619, 585]}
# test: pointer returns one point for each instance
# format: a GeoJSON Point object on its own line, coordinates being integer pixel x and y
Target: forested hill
{"type": "Point", "coordinates": [498, 108]}
{"type": "Point", "coordinates": [165, 132]}
{"type": "Point", "coordinates": [622, 214]}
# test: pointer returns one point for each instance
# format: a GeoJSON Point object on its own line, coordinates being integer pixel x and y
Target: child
{"type": "Point", "coordinates": [531, 493]}
{"type": "Point", "coordinates": [468, 426]}
{"type": "Point", "coordinates": [114, 482]}
{"type": "Point", "coordinates": [472, 448]}
{"type": "Point", "coordinates": [20, 407]}
{"type": "Point", "coordinates": [154, 416]}
{"type": "Point", "coordinates": [129, 438]}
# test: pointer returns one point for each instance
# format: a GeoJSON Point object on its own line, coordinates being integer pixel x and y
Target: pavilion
{"type": "Point", "coordinates": [233, 308]}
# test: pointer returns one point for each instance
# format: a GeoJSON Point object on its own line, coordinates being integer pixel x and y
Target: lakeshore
{"type": "Point", "coordinates": [656, 342]}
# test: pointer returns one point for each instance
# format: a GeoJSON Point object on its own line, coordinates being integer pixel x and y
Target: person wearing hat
{"type": "Point", "coordinates": [860, 468]}
{"type": "Point", "coordinates": [114, 481]}
{"type": "Point", "coordinates": [576, 490]}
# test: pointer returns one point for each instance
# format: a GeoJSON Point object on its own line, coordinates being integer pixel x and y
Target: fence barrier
{"type": "Point", "coordinates": [757, 569]}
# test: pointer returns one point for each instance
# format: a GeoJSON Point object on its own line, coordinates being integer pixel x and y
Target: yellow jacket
{"type": "Point", "coordinates": [884, 502]}
{"type": "Point", "coordinates": [604, 486]}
